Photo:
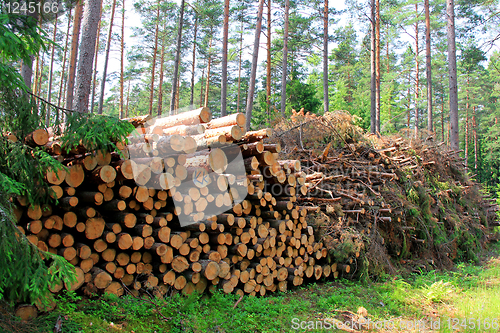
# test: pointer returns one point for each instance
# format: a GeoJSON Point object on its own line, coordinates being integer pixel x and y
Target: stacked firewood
{"type": "Point", "coordinates": [127, 223]}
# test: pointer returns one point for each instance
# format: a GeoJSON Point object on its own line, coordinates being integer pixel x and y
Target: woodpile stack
{"type": "Point", "coordinates": [131, 223]}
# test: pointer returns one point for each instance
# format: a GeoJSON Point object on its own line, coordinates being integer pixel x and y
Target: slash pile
{"type": "Point", "coordinates": [386, 203]}
{"type": "Point", "coordinates": [121, 221]}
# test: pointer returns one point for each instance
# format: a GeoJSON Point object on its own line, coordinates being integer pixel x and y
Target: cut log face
{"type": "Point", "coordinates": [94, 228]}
{"type": "Point", "coordinates": [55, 177]}
{"type": "Point", "coordinates": [39, 137]}
{"type": "Point", "coordinates": [75, 175]}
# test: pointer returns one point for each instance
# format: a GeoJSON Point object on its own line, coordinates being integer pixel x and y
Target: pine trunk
{"type": "Point", "coordinates": [239, 69]}
{"type": "Point", "coordinates": [452, 71]}
{"type": "Point", "coordinates": [417, 70]}
{"type": "Point", "coordinates": [160, 86]}
{"type": "Point", "coordinates": [153, 67]}
{"type": "Point", "coordinates": [430, 126]}
{"type": "Point", "coordinates": [377, 66]}
{"type": "Point", "coordinates": [94, 81]}
{"type": "Point", "coordinates": [474, 133]}
{"type": "Point", "coordinates": [27, 68]}
{"type": "Point", "coordinates": [268, 65]}
{"type": "Point", "coordinates": [51, 72]}
{"type": "Point", "coordinates": [201, 85]}
{"type": "Point", "coordinates": [285, 58]}
{"type": "Point", "coordinates": [373, 76]}
{"type": "Point", "coordinates": [207, 82]}
{"type": "Point", "coordinates": [325, 58]}
{"type": "Point", "coordinates": [177, 60]}
{"type": "Point", "coordinates": [408, 95]}
{"type": "Point", "coordinates": [90, 22]}
{"type": "Point", "coordinates": [73, 54]}
{"type": "Point", "coordinates": [191, 99]}
{"type": "Point", "coordinates": [63, 69]}
{"type": "Point", "coordinates": [122, 51]}
{"type": "Point", "coordinates": [255, 56]}
{"type": "Point", "coordinates": [128, 95]}
{"type": "Point", "coordinates": [467, 106]}
{"type": "Point", "coordinates": [106, 59]}
{"type": "Point", "coordinates": [223, 97]}
{"type": "Point", "coordinates": [442, 117]}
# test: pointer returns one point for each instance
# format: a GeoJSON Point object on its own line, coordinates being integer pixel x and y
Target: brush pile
{"type": "Point", "coordinates": [386, 203]}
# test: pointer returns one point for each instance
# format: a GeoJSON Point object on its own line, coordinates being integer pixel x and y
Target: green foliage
{"type": "Point", "coordinates": [27, 272]}
{"type": "Point", "coordinates": [20, 37]}
{"type": "Point", "coordinates": [24, 171]}
{"type": "Point", "coordinates": [301, 95]}
{"type": "Point", "coordinates": [448, 292]}
{"type": "Point", "coordinates": [94, 132]}
{"type": "Point", "coordinates": [437, 292]}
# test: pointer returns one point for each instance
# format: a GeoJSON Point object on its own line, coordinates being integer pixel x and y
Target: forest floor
{"type": "Point", "coordinates": [430, 301]}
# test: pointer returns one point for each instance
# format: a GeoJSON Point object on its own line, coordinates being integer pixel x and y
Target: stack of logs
{"type": "Point", "coordinates": [117, 223]}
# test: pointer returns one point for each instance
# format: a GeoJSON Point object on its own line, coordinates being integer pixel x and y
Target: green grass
{"type": "Point", "coordinates": [470, 291]}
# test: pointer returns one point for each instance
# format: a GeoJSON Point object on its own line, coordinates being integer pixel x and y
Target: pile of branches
{"type": "Point", "coordinates": [386, 204]}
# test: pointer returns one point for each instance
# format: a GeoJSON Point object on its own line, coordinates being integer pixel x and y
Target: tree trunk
{"type": "Point", "coordinates": [153, 67]}
{"type": "Point", "coordinates": [63, 70]}
{"type": "Point", "coordinates": [285, 58]}
{"type": "Point", "coordinates": [467, 106]}
{"type": "Point", "coordinates": [191, 99]}
{"type": "Point", "coordinates": [408, 94]}
{"type": "Point", "coordinates": [201, 85]}
{"type": "Point", "coordinates": [466, 149]}
{"type": "Point", "coordinates": [239, 68]}
{"type": "Point", "coordinates": [128, 95]}
{"type": "Point", "coordinates": [94, 81]}
{"type": "Point", "coordinates": [91, 17]}
{"type": "Point", "coordinates": [223, 92]}
{"type": "Point", "coordinates": [162, 59]}
{"type": "Point", "coordinates": [377, 66]}
{"type": "Point", "coordinates": [442, 116]}
{"type": "Point", "coordinates": [51, 72]}
{"type": "Point", "coordinates": [177, 59]}
{"type": "Point", "coordinates": [373, 76]}
{"type": "Point", "coordinates": [122, 51]}
{"type": "Point", "coordinates": [474, 133]}
{"type": "Point", "coordinates": [387, 52]}
{"type": "Point", "coordinates": [253, 74]}
{"type": "Point", "coordinates": [430, 126]}
{"type": "Point", "coordinates": [268, 64]}
{"type": "Point", "coordinates": [74, 54]}
{"type": "Point", "coordinates": [417, 70]}
{"type": "Point", "coordinates": [207, 82]}
{"type": "Point", "coordinates": [106, 59]}
{"type": "Point", "coordinates": [325, 58]}
{"type": "Point", "coordinates": [452, 71]}
{"type": "Point", "coordinates": [27, 68]}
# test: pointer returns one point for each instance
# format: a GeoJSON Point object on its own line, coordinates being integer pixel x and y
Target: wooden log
{"type": "Point", "coordinates": [36, 138]}
{"type": "Point", "coordinates": [104, 174]}
{"type": "Point", "coordinates": [254, 136]}
{"type": "Point", "coordinates": [180, 264]}
{"type": "Point", "coordinates": [184, 130]}
{"type": "Point", "coordinates": [55, 177]}
{"type": "Point", "coordinates": [232, 133]}
{"type": "Point", "coordinates": [194, 117]}
{"type": "Point", "coordinates": [237, 119]}
{"type": "Point", "coordinates": [100, 278]}
{"type": "Point", "coordinates": [26, 312]}
{"type": "Point", "coordinates": [94, 228]}
{"type": "Point", "coordinates": [209, 269]}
